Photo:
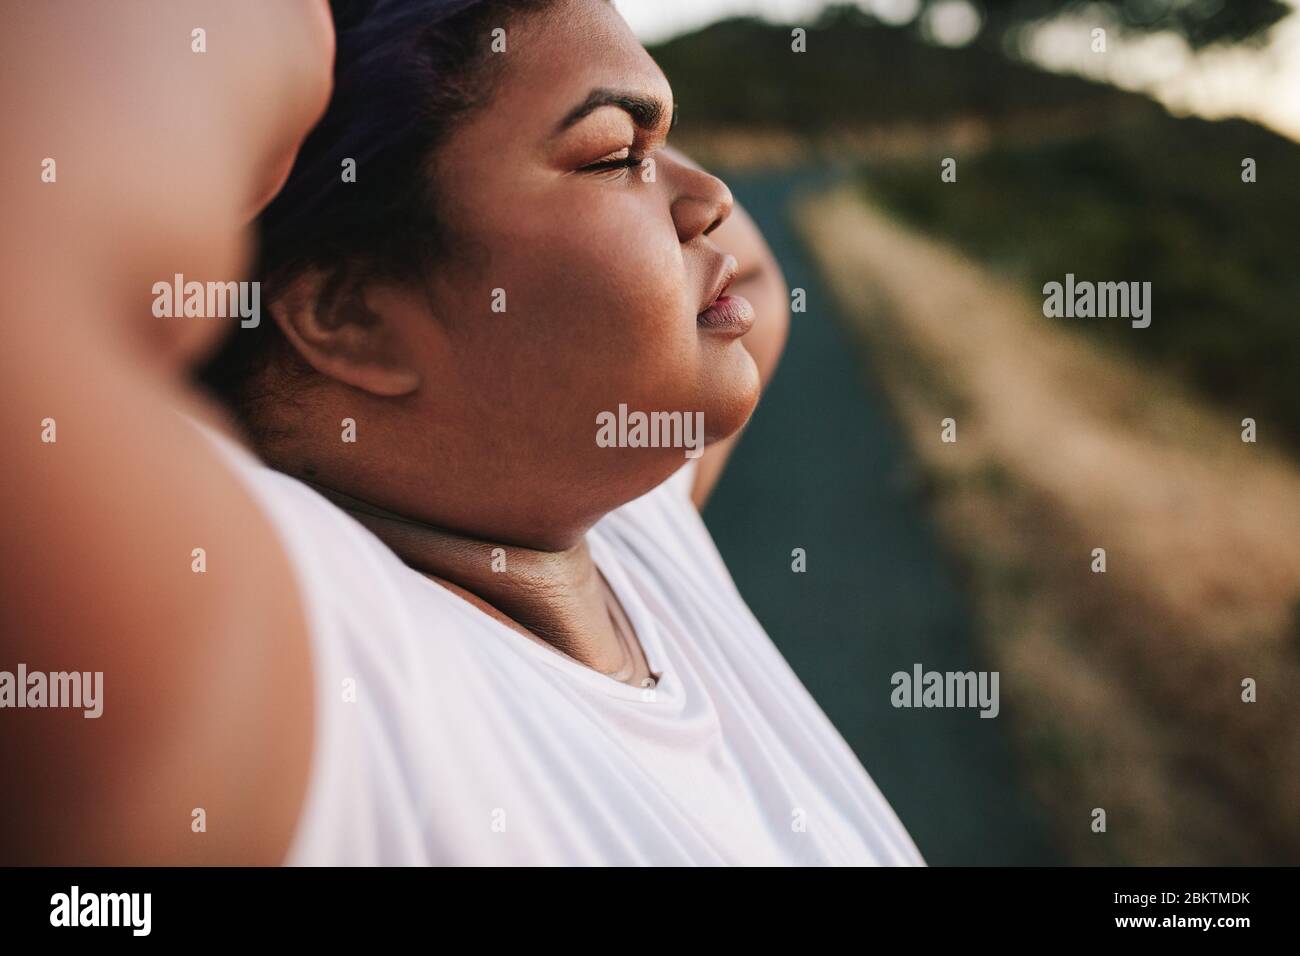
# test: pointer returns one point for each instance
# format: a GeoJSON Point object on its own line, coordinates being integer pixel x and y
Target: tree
{"type": "Point", "coordinates": [1200, 22]}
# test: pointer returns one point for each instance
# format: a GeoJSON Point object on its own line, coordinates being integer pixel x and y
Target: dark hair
{"type": "Point", "coordinates": [405, 72]}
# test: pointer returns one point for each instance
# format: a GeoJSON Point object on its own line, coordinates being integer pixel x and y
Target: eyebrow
{"type": "Point", "coordinates": [646, 111]}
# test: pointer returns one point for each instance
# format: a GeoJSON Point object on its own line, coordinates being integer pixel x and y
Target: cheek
{"type": "Point", "coordinates": [618, 322]}
{"type": "Point", "coordinates": [615, 281]}
{"type": "Point", "coordinates": [599, 311]}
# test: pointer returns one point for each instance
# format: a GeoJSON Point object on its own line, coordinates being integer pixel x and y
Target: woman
{"type": "Point", "coordinates": [524, 646]}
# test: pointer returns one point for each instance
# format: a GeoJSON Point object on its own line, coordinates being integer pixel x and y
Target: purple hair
{"type": "Point", "coordinates": [405, 72]}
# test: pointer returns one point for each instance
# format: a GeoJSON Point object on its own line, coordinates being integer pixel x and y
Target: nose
{"type": "Point", "coordinates": [701, 204]}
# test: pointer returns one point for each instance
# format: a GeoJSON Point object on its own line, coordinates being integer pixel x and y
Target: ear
{"type": "Point", "coordinates": [351, 332]}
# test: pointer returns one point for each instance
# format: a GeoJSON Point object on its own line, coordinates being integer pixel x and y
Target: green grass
{"type": "Point", "coordinates": [1161, 201]}
{"type": "Point", "coordinates": [1138, 195]}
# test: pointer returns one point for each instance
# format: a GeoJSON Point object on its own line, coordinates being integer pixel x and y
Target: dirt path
{"type": "Point", "coordinates": [824, 467]}
{"type": "Point", "coordinates": [1128, 683]}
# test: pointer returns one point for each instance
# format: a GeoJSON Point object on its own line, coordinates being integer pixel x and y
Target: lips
{"type": "Point", "coordinates": [722, 277]}
{"type": "Point", "coordinates": [732, 315]}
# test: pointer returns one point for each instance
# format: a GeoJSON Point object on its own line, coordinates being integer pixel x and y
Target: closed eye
{"type": "Point", "coordinates": [623, 162]}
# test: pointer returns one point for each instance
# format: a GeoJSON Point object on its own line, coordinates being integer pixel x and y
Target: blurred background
{"type": "Point", "coordinates": [1119, 690]}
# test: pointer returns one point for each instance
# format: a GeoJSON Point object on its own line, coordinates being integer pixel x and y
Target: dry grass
{"type": "Point", "coordinates": [1124, 688]}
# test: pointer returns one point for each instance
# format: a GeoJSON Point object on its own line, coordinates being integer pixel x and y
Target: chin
{"type": "Point", "coordinates": [732, 394]}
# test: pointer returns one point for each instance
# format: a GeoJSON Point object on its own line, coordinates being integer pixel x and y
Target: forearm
{"type": "Point", "coordinates": [107, 491]}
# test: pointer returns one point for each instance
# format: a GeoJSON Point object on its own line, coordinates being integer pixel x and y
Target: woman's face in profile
{"type": "Point", "coordinates": [604, 265]}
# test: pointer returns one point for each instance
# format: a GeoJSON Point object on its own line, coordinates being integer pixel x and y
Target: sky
{"type": "Point", "coordinates": [1261, 84]}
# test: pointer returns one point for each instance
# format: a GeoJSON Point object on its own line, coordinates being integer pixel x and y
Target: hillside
{"type": "Point", "coordinates": [1056, 174]}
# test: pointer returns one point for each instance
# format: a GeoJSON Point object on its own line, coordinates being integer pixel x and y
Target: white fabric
{"type": "Point", "coordinates": [466, 743]}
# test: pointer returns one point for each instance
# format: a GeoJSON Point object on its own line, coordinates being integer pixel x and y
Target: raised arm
{"type": "Point", "coordinates": [159, 156]}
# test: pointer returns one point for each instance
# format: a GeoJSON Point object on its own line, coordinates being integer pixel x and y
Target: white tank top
{"type": "Point", "coordinates": [444, 737]}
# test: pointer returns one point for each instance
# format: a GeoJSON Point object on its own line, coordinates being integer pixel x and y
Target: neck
{"type": "Point", "coordinates": [556, 597]}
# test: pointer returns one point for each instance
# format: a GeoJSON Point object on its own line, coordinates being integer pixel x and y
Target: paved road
{"type": "Point", "coordinates": [823, 467]}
